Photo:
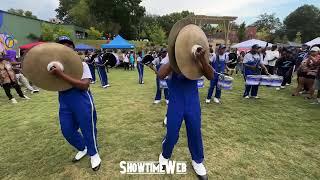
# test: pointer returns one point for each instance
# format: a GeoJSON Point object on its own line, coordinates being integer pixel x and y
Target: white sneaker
{"type": "Point", "coordinates": [108, 85]}
{"type": "Point", "coordinates": [282, 87]}
{"type": "Point", "coordinates": [167, 101]}
{"type": "Point", "coordinates": [25, 97]}
{"type": "Point", "coordinates": [95, 162]}
{"type": "Point", "coordinates": [156, 101]}
{"type": "Point", "coordinates": [247, 97]}
{"type": "Point", "coordinates": [208, 101]}
{"type": "Point", "coordinates": [256, 97]}
{"type": "Point", "coordinates": [92, 82]}
{"type": "Point", "coordinates": [278, 89]}
{"type": "Point", "coordinates": [165, 121]}
{"type": "Point", "coordinates": [216, 100]}
{"type": "Point", "coordinates": [288, 84]}
{"type": "Point", "coordinates": [199, 169]}
{"type": "Point", "coordinates": [163, 160]}
{"type": "Point", "coordinates": [80, 155]}
{"type": "Point", "coordinates": [105, 86]}
{"type": "Point", "coordinates": [142, 82]}
{"type": "Point", "coordinates": [14, 101]}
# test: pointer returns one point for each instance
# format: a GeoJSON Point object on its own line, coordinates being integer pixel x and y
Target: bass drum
{"type": "Point", "coordinates": [109, 59]}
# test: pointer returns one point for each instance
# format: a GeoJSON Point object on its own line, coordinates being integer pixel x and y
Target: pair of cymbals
{"type": "Point", "coordinates": [38, 61]}
{"type": "Point", "coordinates": [184, 40]}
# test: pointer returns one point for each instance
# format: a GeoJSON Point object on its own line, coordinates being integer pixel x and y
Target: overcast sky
{"type": "Point", "coordinates": [245, 10]}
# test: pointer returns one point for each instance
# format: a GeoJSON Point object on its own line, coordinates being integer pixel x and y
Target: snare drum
{"type": "Point", "coordinates": [225, 82]}
{"type": "Point", "coordinates": [276, 81]}
{"type": "Point", "coordinates": [253, 80]}
{"type": "Point", "coordinates": [266, 80]}
{"type": "Point", "coordinates": [163, 84]}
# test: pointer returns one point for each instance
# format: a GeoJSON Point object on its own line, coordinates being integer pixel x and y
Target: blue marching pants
{"type": "Point", "coordinates": [77, 111]}
{"type": "Point", "coordinates": [184, 105]}
{"type": "Point", "coordinates": [158, 93]}
{"type": "Point", "coordinates": [140, 68]}
{"type": "Point", "coordinates": [214, 84]}
{"type": "Point", "coordinates": [103, 75]}
{"type": "Point", "coordinates": [251, 90]}
{"type": "Point", "coordinates": [92, 71]}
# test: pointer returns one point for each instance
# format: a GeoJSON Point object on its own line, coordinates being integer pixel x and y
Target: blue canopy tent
{"type": "Point", "coordinates": [84, 47]}
{"type": "Point", "coordinates": [118, 43]}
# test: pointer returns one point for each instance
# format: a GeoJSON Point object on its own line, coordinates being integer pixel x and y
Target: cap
{"type": "Point", "coordinates": [222, 46]}
{"type": "Point", "coordinates": [65, 39]}
{"type": "Point", "coordinates": [256, 46]}
{"type": "Point", "coordinates": [315, 49]}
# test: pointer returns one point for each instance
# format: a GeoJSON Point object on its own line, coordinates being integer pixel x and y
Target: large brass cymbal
{"type": "Point", "coordinates": [188, 40]}
{"type": "Point", "coordinates": [172, 42]}
{"type": "Point", "coordinates": [36, 61]}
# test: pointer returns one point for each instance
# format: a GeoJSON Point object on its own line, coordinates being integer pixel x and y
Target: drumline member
{"type": "Point", "coordinates": [90, 61]}
{"type": "Point", "coordinates": [76, 111]}
{"type": "Point", "coordinates": [218, 62]}
{"type": "Point", "coordinates": [140, 67]}
{"type": "Point", "coordinates": [252, 63]}
{"type": "Point", "coordinates": [161, 59]}
{"type": "Point", "coordinates": [185, 104]}
{"type": "Point", "coordinates": [102, 70]}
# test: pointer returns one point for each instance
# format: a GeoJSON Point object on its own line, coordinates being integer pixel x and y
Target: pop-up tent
{"type": "Point", "coordinates": [118, 43]}
{"type": "Point", "coordinates": [84, 47]}
{"type": "Point", "coordinates": [250, 43]}
{"type": "Point", "coordinates": [314, 42]}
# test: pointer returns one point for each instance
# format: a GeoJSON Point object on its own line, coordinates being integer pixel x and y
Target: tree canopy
{"type": "Point", "coordinates": [21, 12]}
{"type": "Point", "coordinates": [306, 20]}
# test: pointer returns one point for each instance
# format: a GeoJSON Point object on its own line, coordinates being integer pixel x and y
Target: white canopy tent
{"type": "Point", "coordinates": [314, 42]}
{"type": "Point", "coordinates": [250, 43]}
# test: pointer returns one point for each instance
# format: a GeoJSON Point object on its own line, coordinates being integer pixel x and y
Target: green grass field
{"type": "Point", "coordinates": [276, 137]}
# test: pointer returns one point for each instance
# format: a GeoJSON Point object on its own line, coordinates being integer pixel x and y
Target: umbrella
{"type": "Point", "coordinates": [250, 43]}
{"type": "Point", "coordinates": [314, 42]}
{"type": "Point", "coordinates": [29, 46]}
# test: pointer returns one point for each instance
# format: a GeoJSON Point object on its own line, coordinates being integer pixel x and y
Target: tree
{"type": "Point", "coordinates": [263, 34]}
{"type": "Point", "coordinates": [305, 20]}
{"type": "Point", "coordinates": [80, 15]}
{"type": "Point", "coordinates": [21, 12]}
{"type": "Point", "coordinates": [268, 22]}
{"type": "Point", "coordinates": [156, 34]}
{"type": "Point", "coordinates": [52, 32]}
{"type": "Point", "coordinates": [63, 11]}
{"type": "Point", "coordinates": [298, 38]}
{"type": "Point", "coordinates": [126, 13]}
{"type": "Point", "coordinates": [242, 32]}
{"type": "Point", "coordinates": [167, 21]}
{"type": "Point", "coordinates": [93, 33]}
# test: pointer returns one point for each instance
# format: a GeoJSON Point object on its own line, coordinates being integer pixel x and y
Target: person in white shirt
{"type": "Point", "coordinates": [272, 57]}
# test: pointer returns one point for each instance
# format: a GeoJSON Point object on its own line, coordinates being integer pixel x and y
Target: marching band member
{"type": "Point", "coordinates": [90, 61]}
{"type": "Point", "coordinates": [76, 111]}
{"type": "Point", "coordinates": [158, 62]}
{"type": "Point", "coordinates": [252, 63]}
{"type": "Point", "coordinates": [218, 62]}
{"type": "Point", "coordinates": [102, 70]}
{"type": "Point", "coordinates": [185, 104]}
{"type": "Point", "coordinates": [140, 67]}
